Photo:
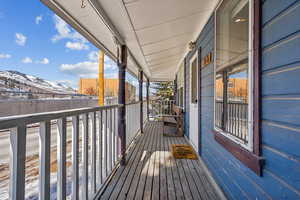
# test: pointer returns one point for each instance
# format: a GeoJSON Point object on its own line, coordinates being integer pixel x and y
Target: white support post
{"type": "Point", "coordinates": [61, 158]}
{"type": "Point", "coordinates": [85, 154]}
{"type": "Point", "coordinates": [18, 157]}
{"type": "Point", "coordinates": [75, 158]}
{"type": "Point", "coordinates": [93, 167]}
{"type": "Point", "coordinates": [100, 147]}
{"type": "Point", "coordinates": [45, 153]}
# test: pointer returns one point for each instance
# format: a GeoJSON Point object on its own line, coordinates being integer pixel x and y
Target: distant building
{"type": "Point", "coordinates": [237, 89]}
{"type": "Point", "coordinates": [89, 86]}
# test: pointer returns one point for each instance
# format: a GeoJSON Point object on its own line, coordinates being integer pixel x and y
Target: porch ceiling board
{"type": "Point", "coordinates": [156, 32]}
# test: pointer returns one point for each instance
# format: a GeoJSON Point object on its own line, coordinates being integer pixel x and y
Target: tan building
{"type": "Point", "coordinates": [89, 86]}
{"type": "Point", "coordinates": [237, 88]}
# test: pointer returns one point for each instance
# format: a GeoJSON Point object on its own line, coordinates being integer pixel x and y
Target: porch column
{"type": "Point", "coordinates": [175, 91]}
{"type": "Point", "coordinates": [141, 100]}
{"type": "Point", "coordinates": [147, 94]}
{"type": "Point", "coordinates": [122, 64]}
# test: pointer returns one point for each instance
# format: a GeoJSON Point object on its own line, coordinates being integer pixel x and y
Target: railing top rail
{"type": "Point", "coordinates": [13, 121]}
{"type": "Point", "coordinates": [131, 103]}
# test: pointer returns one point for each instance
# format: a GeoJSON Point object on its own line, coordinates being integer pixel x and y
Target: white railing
{"type": "Point", "coordinates": [132, 121]}
{"type": "Point", "coordinates": [94, 151]}
{"type": "Point", "coordinates": [145, 111]}
{"type": "Point", "coordinates": [159, 108]}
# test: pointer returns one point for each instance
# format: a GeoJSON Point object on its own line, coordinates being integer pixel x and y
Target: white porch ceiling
{"type": "Point", "coordinates": [157, 32]}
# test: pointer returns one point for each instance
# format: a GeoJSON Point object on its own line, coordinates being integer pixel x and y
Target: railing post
{"type": "Point", "coordinates": [141, 100]}
{"type": "Point", "coordinates": [93, 146]}
{"type": "Point", "coordinates": [175, 90]}
{"type": "Point", "coordinates": [122, 64]}
{"type": "Point", "coordinates": [75, 158]}
{"type": "Point", "coordinates": [147, 94]}
{"type": "Point", "coordinates": [85, 155]}
{"type": "Point", "coordinates": [61, 158]}
{"type": "Point", "coordinates": [18, 157]}
{"type": "Point", "coordinates": [45, 153]}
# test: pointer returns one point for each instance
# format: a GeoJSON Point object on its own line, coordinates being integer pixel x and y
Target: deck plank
{"type": "Point", "coordinates": [175, 172]}
{"type": "Point", "coordinates": [170, 180]}
{"type": "Point", "coordinates": [182, 174]}
{"type": "Point", "coordinates": [152, 172]}
{"type": "Point", "coordinates": [150, 176]}
{"type": "Point", "coordinates": [110, 188]}
{"type": "Point", "coordinates": [127, 170]}
{"type": "Point", "coordinates": [144, 175]}
{"type": "Point", "coordinates": [134, 172]}
{"type": "Point", "coordinates": [163, 190]}
{"type": "Point", "coordinates": [141, 166]}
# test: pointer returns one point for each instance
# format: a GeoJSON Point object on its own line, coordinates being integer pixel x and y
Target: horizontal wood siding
{"type": "Point", "coordinates": [280, 127]}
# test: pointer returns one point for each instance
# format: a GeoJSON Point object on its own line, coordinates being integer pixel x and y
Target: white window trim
{"type": "Point", "coordinates": [248, 146]}
{"type": "Point", "coordinates": [194, 57]}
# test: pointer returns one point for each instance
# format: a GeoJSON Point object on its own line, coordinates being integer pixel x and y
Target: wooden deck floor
{"type": "Point", "coordinates": [152, 173]}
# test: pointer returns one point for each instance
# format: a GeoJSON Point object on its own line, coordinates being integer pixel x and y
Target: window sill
{"type": "Point", "coordinates": [248, 158]}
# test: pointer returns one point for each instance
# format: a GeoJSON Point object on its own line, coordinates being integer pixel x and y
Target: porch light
{"type": "Point", "coordinates": [192, 45]}
{"type": "Point", "coordinates": [240, 20]}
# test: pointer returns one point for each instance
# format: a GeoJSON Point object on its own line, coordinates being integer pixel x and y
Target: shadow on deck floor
{"type": "Point", "coordinates": [152, 173]}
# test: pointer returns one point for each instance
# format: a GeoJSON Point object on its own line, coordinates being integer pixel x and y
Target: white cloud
{"type": "Point", "coordinates": [81, 69]}
{"type": "Point", "coordinates": [77, 46]}
{"type": "Point", "coordinates": [64, 31]}
{"type": "Point", "coordinates": [111, 75]}
{"type": "Point", "coordinates": [93, 55]}
{"type": "Point", "coordinates": [21, 39]}
{"type": "Point", "coordinates": [108, 63]}
{"type": "Point", "coordinates": [89, 69]}
{"type": "Point", "coordinates": [44, 61]}
{"type": "Point", "coordinates": [27, 60]}
{"type": "Point", "coordinates": [3, 56]}
{"type": "Point", "coordinates": [38, 19]}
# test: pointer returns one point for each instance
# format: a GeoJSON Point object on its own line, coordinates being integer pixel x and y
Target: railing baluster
{"type": "Point", "coordinates": [109, 141]}
{"type": "Point", "coordinates": [116, 134]}
{"type": "Point", "coordinates": [18, 157]}
{"type": "Point", "coordinates": [45, 152]}
{"type": "Point", "coordinates": [61, 158]}
{"type": "Point", "coordinates": [93, 117]}
{"type": "Point", "coordinates": [75, 159]}
{"type": "Point", "coordinates": [113, 138]}
{"type": "Point", "coordinates": [85, 154]}
{"type": "Point", "coordinates": [100, 146]}
{"type": "Point", "coordinates": [105, 143]}
{"type": "Point", "coordinates": [117, 138]}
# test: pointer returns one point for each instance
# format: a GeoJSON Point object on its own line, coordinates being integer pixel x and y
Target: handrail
{"type": "Point", "coordinates": [12, 121]}
{"type": "Point", "coordinates": [98, 123]}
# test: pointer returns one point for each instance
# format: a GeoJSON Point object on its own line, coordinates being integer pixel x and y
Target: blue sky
{"type": "Point", "coordinates": [37, 42]}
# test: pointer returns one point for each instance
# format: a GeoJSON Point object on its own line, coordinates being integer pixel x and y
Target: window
{"type": "Point", "coordinates": [180, 96]}
{"type": "Point", "coordinates": [237, 81]}
{"type": "Point", "coordinates": [233, 73]}
{"type": "Point", "coordinates": [194, 79]}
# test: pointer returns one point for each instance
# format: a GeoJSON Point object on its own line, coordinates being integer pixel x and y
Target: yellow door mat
{"type": "Point", "coordinates": [183, 151]}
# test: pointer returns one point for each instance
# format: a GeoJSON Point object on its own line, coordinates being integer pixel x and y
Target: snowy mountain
{"type": "Point", "coordinates": [17, 81]}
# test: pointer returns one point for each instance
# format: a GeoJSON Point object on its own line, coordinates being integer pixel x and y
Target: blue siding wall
{"type": "Point", "coordinates": [280, 110]}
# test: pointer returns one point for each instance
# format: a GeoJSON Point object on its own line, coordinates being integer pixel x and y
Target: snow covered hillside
{"type": "Point", "coordinates": [20, 82]}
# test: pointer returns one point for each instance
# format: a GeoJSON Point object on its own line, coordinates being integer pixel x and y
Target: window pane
{"type": "Point", "coordinates": [232, 68]}
{"type": "Point", "coordinates": [232, 33]}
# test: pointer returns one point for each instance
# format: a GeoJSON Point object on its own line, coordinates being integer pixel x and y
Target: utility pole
{"type": "Point", "coordinates": [101, 79]}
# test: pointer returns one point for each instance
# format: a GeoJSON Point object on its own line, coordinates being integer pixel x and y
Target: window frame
{"type": "Point", "coordinates": [247, 154]}
{"type": "Point", "coordinates": [194, 58]}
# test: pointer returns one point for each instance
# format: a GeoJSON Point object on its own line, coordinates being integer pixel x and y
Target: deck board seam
{"type": "Point", "coordinates": [111, 185]}
{"type": "Point", "coordinates": [127, 170]}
